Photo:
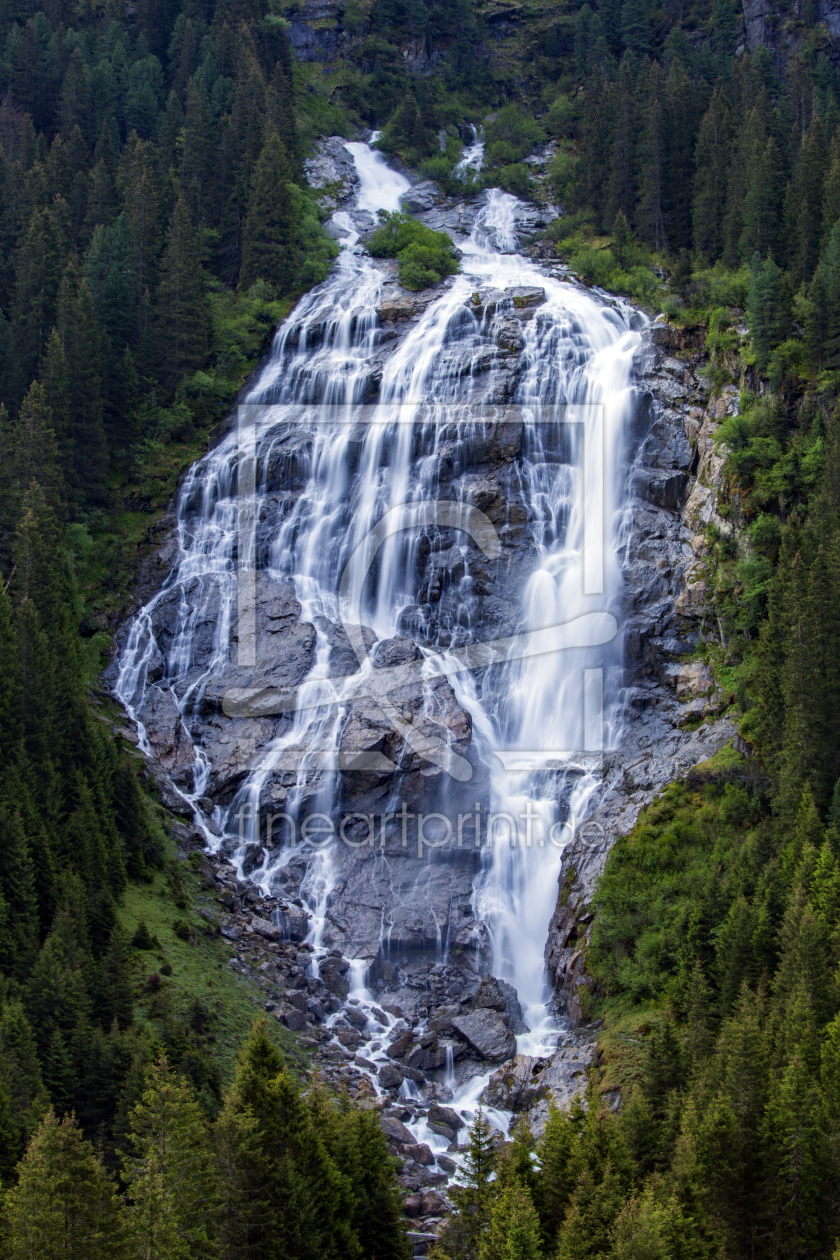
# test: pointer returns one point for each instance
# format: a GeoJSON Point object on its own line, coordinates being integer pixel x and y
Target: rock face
{"type": "Point", "coordinates": [488, 1034]}
{"type": "Point", "coordinates": [667, 610]}
{"type": "Point", "coordinates": [402, 907]}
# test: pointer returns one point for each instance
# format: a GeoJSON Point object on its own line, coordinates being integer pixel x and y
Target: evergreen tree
{"type": "Point", "coordinates": [169, 1173]}
{"type": "Point", "coordinates": [78, 332]}
{"type": "Point", "coordinates": [514, 1232]}
{"type": "Point", "coordinates": [64, 1204]}
{"type": "Point", "coordinates": [182, 320]}
{"type": "Point", "coordinates": [650, 211]}
{"type": "Point", "coordinates": [268, 249]}
{"type": "Point", "coordinates": [763, 308]}
{"type": "Point", "coordinates": [712, 156]}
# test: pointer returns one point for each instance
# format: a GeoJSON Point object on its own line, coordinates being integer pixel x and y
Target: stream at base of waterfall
{"type": "Point", "coordinates": [389, 657]}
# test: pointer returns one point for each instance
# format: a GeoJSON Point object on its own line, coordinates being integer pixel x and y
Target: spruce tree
{"type": "Point", "coordinates": [764, 308]}
{"type": "Point", "coordinates": [652, 158]}
{"type": "Point", "coordinates": [78, 332]}
{"type": "Point", "coordinates": [712, 156]}
{"type": "Point", "coordinates": [169, 1173]}
{"type": "Point", "coordinates": [64, 1204]}
{"type": "Point", "coordinates": [268, 248]}
{"type": "Point", "coordinates": [514, 1229]}
{"type": "Point", "coordinates": [182, 318]}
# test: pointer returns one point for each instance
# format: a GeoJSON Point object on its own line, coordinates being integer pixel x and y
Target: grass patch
{"type": "Point", "coordinates": [200, 963]}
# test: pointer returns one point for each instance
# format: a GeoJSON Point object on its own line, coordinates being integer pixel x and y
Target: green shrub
{"type": "Point", "coordinates": [425, 257]}
{"type": "Point", "coordinates": [515, 179]}
{"type": "Point", "coordinates": [560, 119]}
{"type": "Point", "coordinates": [595, 265]}
{"type": "Point", "coordinates": [563, 174]}
{"type": "Point", "coordinates": [511, 136]}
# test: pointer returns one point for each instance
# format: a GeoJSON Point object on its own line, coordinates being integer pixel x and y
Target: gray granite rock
{"type": "Point", "coordinates": [488, 1034]}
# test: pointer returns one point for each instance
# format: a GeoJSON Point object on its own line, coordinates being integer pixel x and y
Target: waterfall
{"type": "Point", "coordinates": [335, 502]}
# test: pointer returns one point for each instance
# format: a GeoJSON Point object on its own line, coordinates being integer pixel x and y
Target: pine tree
{"type": "Point", "coordinates": [182, 320]}
{"type": "Point", "coordinates": [169, 1173]}
{"type": "Point", "coordinates": [622, 128]}
{"type": "Point", "coordinates": [356, 1144]}
{"type": "Point", "coordinates": [635, 27]}
{"type": "Point", "coordinates": [293, 1191]}
{"type": "Point", "coordinates": [38, 269]}
{"type": "Point", "coordinates": [78, 332]}
{"type": "Point", "coordinates": [712, 155]}
{"type": "Point", "coordinates": [514, 1231]}
{"type": "Point", "coordinates": [473, 1196]}
{"type": "Point", "coordinates": [763, 308]}
{"type": "Point", "coordinates": [197, 153]}
{"type": "Point", "coordinates": [650, 210]}
{"type": "Point", "coordinates": [805, 201]}
{"type": "Point", "coordinates": [268, 248]}
{"type": "Point", "coordinates": [560, 1158]}
{"type": "Point", "coordinates": [64, 1204]}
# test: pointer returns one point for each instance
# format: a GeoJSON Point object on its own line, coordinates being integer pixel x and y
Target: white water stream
{"type": "Point", "coordinates": [531, 710]}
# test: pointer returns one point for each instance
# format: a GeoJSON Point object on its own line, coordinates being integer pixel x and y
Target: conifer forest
{"type": "Point", "coordinates": [218, 1040]}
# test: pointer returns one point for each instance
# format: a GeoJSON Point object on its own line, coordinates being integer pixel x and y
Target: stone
{"type": "Point", "coordinates": [489, 995]}
{"type": "Point", "coordinates": [445, 1115]}
{"type": "Point", "coordinates": [422, 196]}
{"type": "Point", "coordinates": [390, 1076]}
{"type": "Point", "coordinates": [413, 1205]}
{"type": "Point", "coordinates": [419, 1152]}
{"type": "Point", "coordinates": [403, 1043]}
{"type": "Point", "coordinates": [294, 1020]}
{"type": "Point", "coordinates": [433, 1203]}
{"type": "Point", "coordinates": [487, 1033]}
{"type": "Point", "coordinates": [395, 1131]}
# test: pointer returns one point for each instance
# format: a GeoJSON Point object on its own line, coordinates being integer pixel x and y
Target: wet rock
{"type": "Point", "coordinates": [294, 1020]}
{"type": "Point", "coordinates": [433, 1203]}
{"type": "Point", "coordinates": [168, 737]}
{"type": "Point", "coordinates": [413, 1205]}
{"type": "Point", "coordinates": [390, 1076]}
{"type": "Point", "coordinates": [420, 1153]}
{"type": "Point", "coordinates": [487, 1033]}
{"type": "Point", "coordinates": [401, 1046]}
{"type": "Point", "coordinates": [332, 164]}
{"type": "Point", "coordinates": [422, 196]}
{"type": "Point", "coordinates": [395, 1131]}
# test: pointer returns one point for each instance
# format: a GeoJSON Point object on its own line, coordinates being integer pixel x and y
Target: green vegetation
{"type": "Point", "coordinates": [425, 257]}
{"type": "Point", "coordinates": [191, 1187]}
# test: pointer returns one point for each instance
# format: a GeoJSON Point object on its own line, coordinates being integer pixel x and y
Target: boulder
{"type": "Point", "coordinates": [390, 1076]}
{"type": "Point", "coordinates": [419, 1152]}
{"type": "Point", "coordinates": [445, 1115]}
{"type": "Point", "coordinates": [517, 1085]}
{"type": "Point", "coordinates": [488, 1034]}
{"type": "Point", "coordinates": [401, 1046]}
{"type": "Point", "coordinates": [294, 1020]}
{"type": "Point", "coordinates": [423, 196]}
{"type": "Point", "coordinates": [433, 1203]}
{"type": "Point", "coordinates": [395, 1131]}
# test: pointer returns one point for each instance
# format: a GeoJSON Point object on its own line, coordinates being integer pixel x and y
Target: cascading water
{"type": "Point", "coordinates": [345, 464]}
